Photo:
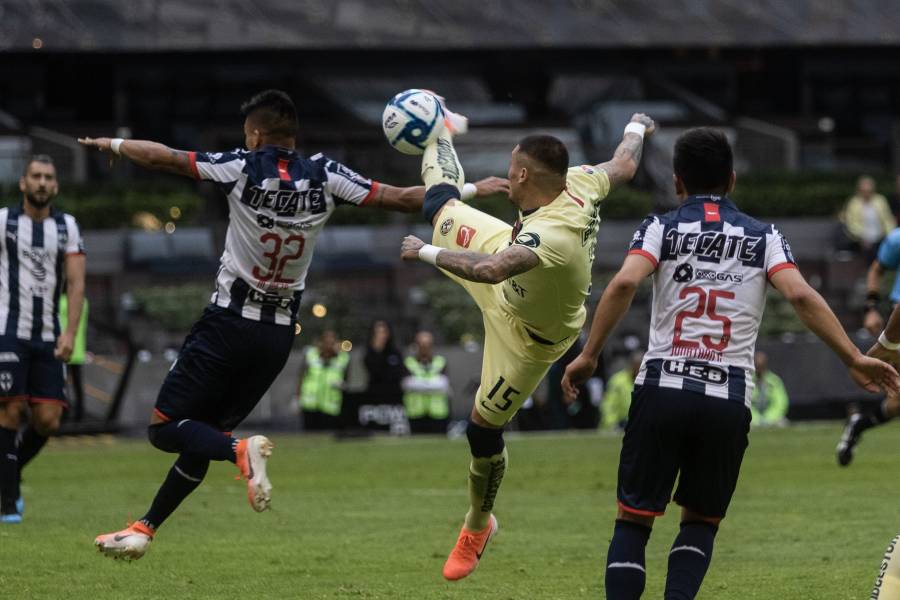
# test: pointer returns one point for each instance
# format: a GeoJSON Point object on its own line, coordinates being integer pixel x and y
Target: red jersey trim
{"type": "Point", "coordinates": [645, 254]}
{"type": "Point", "coordinates": [575, 198]}
{"type": "Point", "coordinates": [13, 398]}
{"type": "Point", "coordinates": [372, 191]}
{"type": "Point", "coordinates": [781, 267]}
{"type": "Point", "coordinates": [283, 173]}
{"type": "Point", "coordinates": [643, 513]}
{"type": "Point", "coordinates": [192, 156]}
{"type": "Point", "coordinates": [60, 401]}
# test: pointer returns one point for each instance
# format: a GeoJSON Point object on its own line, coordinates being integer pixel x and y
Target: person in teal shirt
{"type": "Point", "coordinates": [769, 403]}
{"type": "Point", "coordinates": [617, 399]}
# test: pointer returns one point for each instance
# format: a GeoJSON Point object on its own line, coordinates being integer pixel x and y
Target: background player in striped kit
{"type": "Point", "coordinates": [690, 414]}
{"type": "Point", "coordinates": [278, 203]}
{"type": "Point", "coordinates": [40, 252]}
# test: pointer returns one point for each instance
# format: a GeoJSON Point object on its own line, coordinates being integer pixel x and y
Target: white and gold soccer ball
{"type": "Point", "coordinates": [412, 120]}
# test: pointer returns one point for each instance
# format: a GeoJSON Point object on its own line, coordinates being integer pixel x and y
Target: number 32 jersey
{"type": "Point", "coordinates": [278, 203]}
{"type": "Point", "coordinates": [709, 291]}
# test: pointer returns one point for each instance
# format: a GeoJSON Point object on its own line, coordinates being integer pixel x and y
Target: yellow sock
{"type": "Point", "coordinates": [485, 475]}
{"type": "Point", "coordinates": [440, 163]}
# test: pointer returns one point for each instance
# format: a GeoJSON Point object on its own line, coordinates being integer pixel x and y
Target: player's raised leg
{"type": "Point", "coordinates": [204, 382]}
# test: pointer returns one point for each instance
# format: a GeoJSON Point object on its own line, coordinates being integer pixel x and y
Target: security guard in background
{"type": "Point", "coordinates": [79, 355]}
{"type": "Point", "coordinates": [426, 390]}
{"type": "Point", "coordinates": [769, 403]}
{"type": "Point", "coordinates": [321, 390]}
{"type": "Point", "coordinates": [617, 398]}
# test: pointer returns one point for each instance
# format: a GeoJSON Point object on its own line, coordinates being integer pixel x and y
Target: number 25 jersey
{"type": "Point", "coordinates": [278, 202]}
{"type": "Point", "coordinates": [709, 291]}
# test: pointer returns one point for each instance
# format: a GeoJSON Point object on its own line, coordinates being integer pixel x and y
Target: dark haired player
{"type": "Point", "coordinates": [690, 413]}
{"type": "Point", "coordinates": [278, 203]}
{"type": "Point", "coordinates": [529, 280]}
{"type": "Point", "coordinates": [40, 251]}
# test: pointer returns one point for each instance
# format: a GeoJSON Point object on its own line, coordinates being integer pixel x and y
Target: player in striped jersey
{"type": "Point", "coordinates": [40, 252]}
{"type": "Point", "coordinates": [690, 414]}
{"type": "Point", "coordinates": [278, 202]}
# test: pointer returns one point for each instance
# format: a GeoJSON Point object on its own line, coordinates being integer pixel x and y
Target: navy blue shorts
{"type": "Point", "coordinates": [29, 371]}
{"type": "Point", "coordinates": [675, 433]}
{"type": "Point", "coordinates": [225, 366]}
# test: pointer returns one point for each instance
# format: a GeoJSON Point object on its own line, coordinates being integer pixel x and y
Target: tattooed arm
{"type": "Point", "coordinates": [150, 155]}
{"type": "Point", "coordinates": [475, 266]}
{"type": "Point", "coordinates": [410, 199]}
{"type": "Point", "coordinates": [624, 163]}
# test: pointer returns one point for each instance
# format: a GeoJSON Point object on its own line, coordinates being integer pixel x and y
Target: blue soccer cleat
{"type": "Point", "coordinates": [20, 505]}
{"type": "Point", "coordinates": [11, 518]}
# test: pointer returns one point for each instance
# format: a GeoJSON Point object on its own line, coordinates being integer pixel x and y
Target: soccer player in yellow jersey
{"type": "Point", "coordinates": [530, 281]}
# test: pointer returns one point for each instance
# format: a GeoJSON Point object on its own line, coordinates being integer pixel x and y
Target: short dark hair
{"type": "Point", "coordinates": [40, 158]}
{"type": "Point", "coordinates": [547, 150]}
{"type": "Point", "coordinates": [274, 112]}
{"type": "Point", "coordinates": [703, 160]}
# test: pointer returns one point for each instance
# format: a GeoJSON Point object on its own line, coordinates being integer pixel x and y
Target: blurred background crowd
{"type": "Point", "coordinates": [806, 91]}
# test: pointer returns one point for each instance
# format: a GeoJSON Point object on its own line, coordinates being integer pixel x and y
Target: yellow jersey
{"type": "Point", "coordinates": [549, 299]}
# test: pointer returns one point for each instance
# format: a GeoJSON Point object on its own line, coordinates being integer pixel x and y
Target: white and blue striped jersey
{"type": "Point", "coordinates": [709, 291]}
{"type": "Point", "coordinates": [32, 271]}
{"type": "Point", "coordinates": [278, 203]}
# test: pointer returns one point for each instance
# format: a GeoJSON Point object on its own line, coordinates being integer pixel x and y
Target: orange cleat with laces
{"type": "Point", "coordinates": [129, 544]}
{"type": "Point", "coordinates": [252, 455]}
{"type": "Point", "coordinates": [468, 550]}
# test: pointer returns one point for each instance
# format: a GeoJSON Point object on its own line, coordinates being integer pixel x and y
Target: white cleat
{"type": "Point", "coordinates": [252, 454]}
{"type": "Point", "coordinates": [455, 123]}
{"type": "Point", "coordinates": [129, 544]}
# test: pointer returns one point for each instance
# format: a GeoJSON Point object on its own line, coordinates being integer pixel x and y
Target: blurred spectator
{"type": "Point", "coordinates": [769, 403]}
{"type": "Point", "coordinates": [617, 399]}
{"type": "Point", "coordinates": [581, 413]}
{"type": "Point", "coordinates": [79, 354]}
{"type": "Point", "coordinates": [426, 389]}
{"type": "Point", "coordinates": [384, 364]}
{"type": "Point", "coordinates": [894, 199]}
{"type": "Point", "coordinates": [322, 383]}
{"type": "Point", "coordinates": [867, 219]}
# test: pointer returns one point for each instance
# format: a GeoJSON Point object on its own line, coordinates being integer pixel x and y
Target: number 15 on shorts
{"type": "Point", "coordinates": [499, 405]}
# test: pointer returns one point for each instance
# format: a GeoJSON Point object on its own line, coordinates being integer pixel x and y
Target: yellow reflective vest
{"type": "Point", "coordinates": [321, 388]}
{"type": "Point", "coordinates": [434, 405]}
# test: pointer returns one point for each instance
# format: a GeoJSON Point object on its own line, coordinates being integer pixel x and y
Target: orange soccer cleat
{"type": "Point", "coordinates": [252, 454]}
{"type": "Point", "coordinates": [129, 544]}
{"type": "Point", "coordinates": [468, 550]}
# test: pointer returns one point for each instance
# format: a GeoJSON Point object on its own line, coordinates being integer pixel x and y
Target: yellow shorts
{"type": "Point", "coordinates": [514, 363]}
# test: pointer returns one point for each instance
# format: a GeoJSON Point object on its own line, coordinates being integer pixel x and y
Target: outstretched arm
{"type": "Point", "coordinates": [150, 155]}
{"type": "Point", "coordinates": [867, 372]}
{"type": "Point", "coordinates": [409, 199]}
{"type": "Point", "coordinates": [612, 307]}
{"type": "Point", "coordinates": [622, 167]}
{"type": "Point", "coordinates": [475, 266]}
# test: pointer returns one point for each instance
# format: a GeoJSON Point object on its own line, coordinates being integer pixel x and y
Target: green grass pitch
{"type": "Point", "coordinates": [376, 518]}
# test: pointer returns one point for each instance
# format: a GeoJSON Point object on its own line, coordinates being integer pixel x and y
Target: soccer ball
{"type": "Point", "coordinates": [412, 120]}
